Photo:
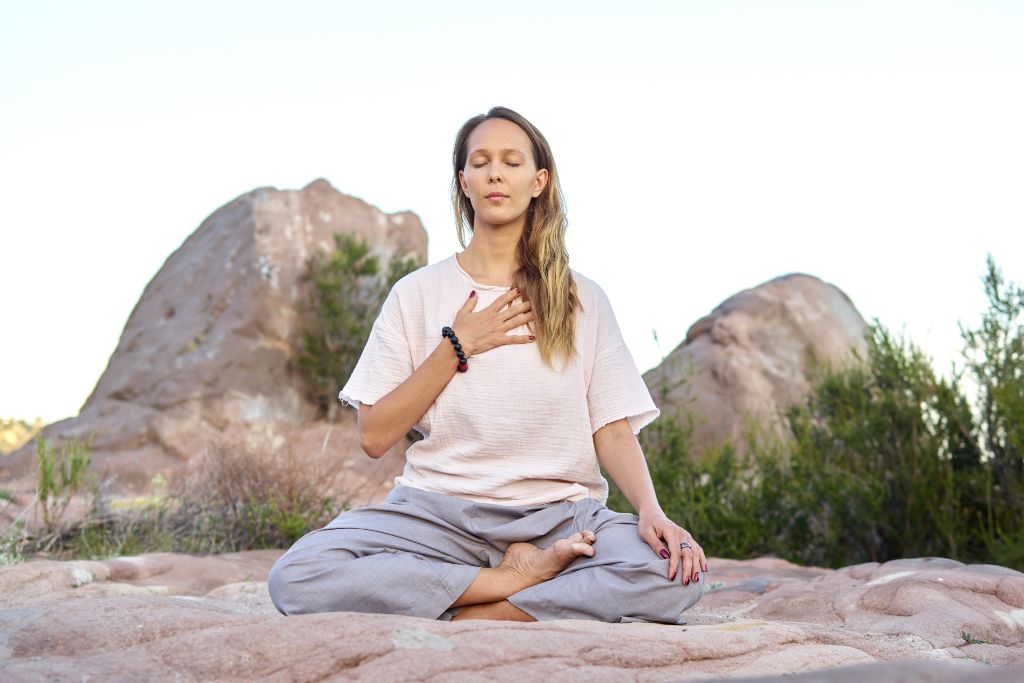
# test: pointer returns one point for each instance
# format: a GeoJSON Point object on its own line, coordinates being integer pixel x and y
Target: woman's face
{"type": "Point", "coordinates": [501, 176]}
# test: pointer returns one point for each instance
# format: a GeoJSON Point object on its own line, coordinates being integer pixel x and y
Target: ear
{"type": "Point", "coordinates": [540, 182]}
{"type": "Point", "coordinates": [462, 183]}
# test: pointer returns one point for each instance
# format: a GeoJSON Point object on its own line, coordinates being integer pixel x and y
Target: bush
{"type": "Point", "coordinates": [60, 477]}
{"type": "Point", "coordinates": [884, 459]}
{"type": "Point", "coordinates": [348, 289]}
{"type": "Point", "coordinates": [245, 494]}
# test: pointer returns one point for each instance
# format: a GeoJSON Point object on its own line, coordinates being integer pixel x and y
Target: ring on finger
{"type": "Point", "coordinates": [684, 544]}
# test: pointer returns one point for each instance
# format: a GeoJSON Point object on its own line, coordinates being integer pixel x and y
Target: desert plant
{"type": "Point", "coordinates": [347, 288]}
{"type": "Point", "coordinates": [61, 475]}
{"type": "Point", "coordinates": [247, 492]}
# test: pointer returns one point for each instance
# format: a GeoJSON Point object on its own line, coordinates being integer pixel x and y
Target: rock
{"type": "Point", "coordinates": [750, 357]}
{"type": "Point", "coordinates": [158, 617]}
{"type": "Point", "coordinates": [206, 350]}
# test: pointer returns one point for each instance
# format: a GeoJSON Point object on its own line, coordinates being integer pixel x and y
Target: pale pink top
{"type": "Point", "coordinates": [511, 430]}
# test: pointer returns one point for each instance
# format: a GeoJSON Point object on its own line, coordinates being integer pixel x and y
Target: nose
{"type": "Point", "coordinates": [494, 172]}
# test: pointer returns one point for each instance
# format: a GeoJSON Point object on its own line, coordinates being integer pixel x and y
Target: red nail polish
{"type": "Point", "coordinates": [663, 553]}
{"type": "Point", "coordinates": [686, 581]}
{"type": "Point", "coordinates": [532, 337]}
{"type": "Point", "coordinates": [696, 577]}
{"type": "Point", "coordinates": [472, 294]}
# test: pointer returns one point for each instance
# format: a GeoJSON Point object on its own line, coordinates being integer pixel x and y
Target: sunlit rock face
{"type": "Point", "coordinates": [164, 616]}
{"type": "Point", "coordinates": [751, 356]}
{"type": "Point", "coordinates": [206, 350]}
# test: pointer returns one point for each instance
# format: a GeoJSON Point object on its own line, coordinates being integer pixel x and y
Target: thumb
{"type": "Point", "coordinates": [657, 546]}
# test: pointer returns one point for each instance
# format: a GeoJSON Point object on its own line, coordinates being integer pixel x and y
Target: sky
{"type": "Point", "coordinates": [704, 148]}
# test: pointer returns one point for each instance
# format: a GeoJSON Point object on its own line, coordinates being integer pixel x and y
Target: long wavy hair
{"type": "Point", "coordinates": [543, 276]}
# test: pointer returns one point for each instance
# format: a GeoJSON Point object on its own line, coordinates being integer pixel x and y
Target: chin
{"type": "Point", "coordinates": [500, 218]}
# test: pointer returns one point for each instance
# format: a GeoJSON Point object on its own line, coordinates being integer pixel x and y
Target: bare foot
{"type": "Point", "coordinates": [535, 565]}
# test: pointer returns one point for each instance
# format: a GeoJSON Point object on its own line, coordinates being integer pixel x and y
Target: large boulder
{"type": "Point", "coordinates": [752, 356]}
{"type": "Point", "coordinates": [174, 617]}
{"type": "Point", "coordinates": [206, 352]}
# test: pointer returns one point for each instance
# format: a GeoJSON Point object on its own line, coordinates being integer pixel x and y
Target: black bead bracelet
{"type": "Point", "coordinates": [450, 333]}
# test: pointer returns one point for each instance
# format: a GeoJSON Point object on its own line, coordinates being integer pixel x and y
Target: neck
{"type": "Point", "coordinates": [492, 256]}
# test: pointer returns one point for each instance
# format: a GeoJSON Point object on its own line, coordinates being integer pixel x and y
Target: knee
{"type": "Point", "coordinates": [663, 600]}
{"type": "Point", "coordinates": [292, 585]}
{"type": "Point", "coordinates": [279, 585]}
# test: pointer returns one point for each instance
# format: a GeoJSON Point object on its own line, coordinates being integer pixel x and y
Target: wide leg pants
{"type": "Point", "coordinates": [416, 552]}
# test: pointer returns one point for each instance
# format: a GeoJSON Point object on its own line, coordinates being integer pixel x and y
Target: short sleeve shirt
{"type": "Point", "coordinates": [511, 430]}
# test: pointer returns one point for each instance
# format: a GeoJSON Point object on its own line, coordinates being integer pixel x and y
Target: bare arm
{"type": "Point", "coordinates": [384, 423]}
{"type": "Point", "coordinates": [620, 454]}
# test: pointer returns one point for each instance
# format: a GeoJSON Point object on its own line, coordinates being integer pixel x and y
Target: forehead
{"type": "Point", "coordinates": [496, 135]}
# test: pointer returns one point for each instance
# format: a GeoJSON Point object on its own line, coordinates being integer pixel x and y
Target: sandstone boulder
{"type": "Point", "coordinates": [164, 617]}
{"type": "Point", "coordinates": [750, 357]}
{"type": "Point", "coordinates": [207, 348]}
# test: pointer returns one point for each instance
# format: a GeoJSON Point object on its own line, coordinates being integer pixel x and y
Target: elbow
{"type": "Point", "coordinates": [372, 444]}
{"type": "Point", "coordinates": [372, 448]}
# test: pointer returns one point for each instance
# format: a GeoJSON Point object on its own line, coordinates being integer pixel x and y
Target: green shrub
{"type": "Point", "coordinates": [884, 459]}
{"type": "Point", "coordinates": [348, 287]}
{"type": "Point", "coordinates": [245, 494]}
{"type": "Point", "coordinates": [60, 477]}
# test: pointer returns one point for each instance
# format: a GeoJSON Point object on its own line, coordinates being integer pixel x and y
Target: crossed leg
{"type": "Point", "coordinates": [523, 565]}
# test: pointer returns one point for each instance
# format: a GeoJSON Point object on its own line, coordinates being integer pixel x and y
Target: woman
{"type": "Point", "coordinates": [513, 368]}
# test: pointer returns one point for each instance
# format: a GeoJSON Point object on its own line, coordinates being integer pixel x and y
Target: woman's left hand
{"type": "Point", "coordinates": [654, 527]}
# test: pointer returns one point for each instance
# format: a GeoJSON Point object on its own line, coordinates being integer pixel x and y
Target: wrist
{"type": "Point", "coordinates": [457, 347]}
{"type": "Point", "coordinates": [649, 508]}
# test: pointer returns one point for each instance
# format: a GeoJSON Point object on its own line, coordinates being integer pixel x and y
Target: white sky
{"type": "Point", "coordinates": [704, 148]}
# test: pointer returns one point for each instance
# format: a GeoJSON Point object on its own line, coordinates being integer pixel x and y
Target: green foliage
{"type": "Point", "coordinates": [348, 289]}
{"type": "Point", "coordinates": [994, 358]}
{"type": "Point", "coordinates": [884, 459]}
{"type": "Point", "coordinates": [257, 493]}
{"type": "Point", "coordinates": [60, 477]}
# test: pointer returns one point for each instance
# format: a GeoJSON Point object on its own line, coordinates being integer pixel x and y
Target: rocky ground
{"type": "Point", "coordinates": [176, 617]}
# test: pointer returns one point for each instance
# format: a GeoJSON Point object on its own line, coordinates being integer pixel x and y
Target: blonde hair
{"type": "Point", "coordinates": [543, 276]}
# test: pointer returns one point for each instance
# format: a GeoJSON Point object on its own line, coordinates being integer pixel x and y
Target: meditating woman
{"type": "Point", "coordinates": [512, 367]}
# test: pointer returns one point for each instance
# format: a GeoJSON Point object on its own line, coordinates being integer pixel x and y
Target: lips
{"type": "Point", "coordinates": [497, 195]}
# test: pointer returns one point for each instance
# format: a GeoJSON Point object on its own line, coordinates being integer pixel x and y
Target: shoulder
{"type": "Point", "coordinates": [423, 279]}
{"type": "Point", "coordinates": [590, 294]}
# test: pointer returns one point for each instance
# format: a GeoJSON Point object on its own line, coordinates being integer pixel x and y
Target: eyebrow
{"type": "Point", "coordinates": [503, 151]}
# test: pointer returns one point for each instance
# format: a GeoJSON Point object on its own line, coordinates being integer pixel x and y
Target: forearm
{"type": "Point", "coordinates": [391, 418]}
{"type": "Point", "coordinates": [620, 454]}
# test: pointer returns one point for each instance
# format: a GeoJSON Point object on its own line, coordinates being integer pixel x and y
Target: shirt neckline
{"type": "Point", "coordinates": [476, 285]}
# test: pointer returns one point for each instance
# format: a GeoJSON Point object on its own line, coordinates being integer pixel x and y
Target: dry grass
{"type": "Point", "coordinates": [247, 491]}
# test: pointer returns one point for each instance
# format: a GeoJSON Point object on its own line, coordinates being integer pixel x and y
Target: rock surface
{"type": "Point", "coordinates": [750, 357]}
{"type": "Point", "coordinates": [206, 350]}
{"type": "Point", "coordinates": [163, 617]}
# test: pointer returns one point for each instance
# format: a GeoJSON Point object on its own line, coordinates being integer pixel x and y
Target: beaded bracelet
{"type": "Point", "coordinates": [450, 333]}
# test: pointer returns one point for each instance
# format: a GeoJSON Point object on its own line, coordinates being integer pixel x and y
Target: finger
{"type": "Point", "coordinates": [703, 559]}
{"type": "Point", "coordinates": [650, 537]}
{"type": "Point", "coordinates": [517, 321]}
{"type": "Point", "coordinates": [688, 555]}
{"type": "Point", "coordinates": [506, 298]}
{"type": "Point", "coordinates": [513, 311]}
{"type": "Point", "coordinates": [470, 301]}
{"type": "Point", "coordinates": [672, 538]}
{"type": "Point", "coordinates": [700, 559]}
{"type": "Point", "coordinates": [517, 339]}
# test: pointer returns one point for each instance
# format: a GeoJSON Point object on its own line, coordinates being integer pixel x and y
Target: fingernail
{"type": "Point", "coordinates": [686, 581]}
{"type": "Point", "coordinates": [663, 553]}
{"type": "Point", "coordinates": [472, 294]}
{"type": "Point", "coordinates": [532, 337]}
{"type": "Point", "coordinates": [696, 577]}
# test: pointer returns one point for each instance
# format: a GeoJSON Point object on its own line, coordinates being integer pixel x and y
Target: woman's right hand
{"type": "Point", "coordinates": [484, 329]}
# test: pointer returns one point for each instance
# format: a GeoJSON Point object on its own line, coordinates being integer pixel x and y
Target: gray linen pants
{"type": "Point", "coordinates": [416, 552]}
